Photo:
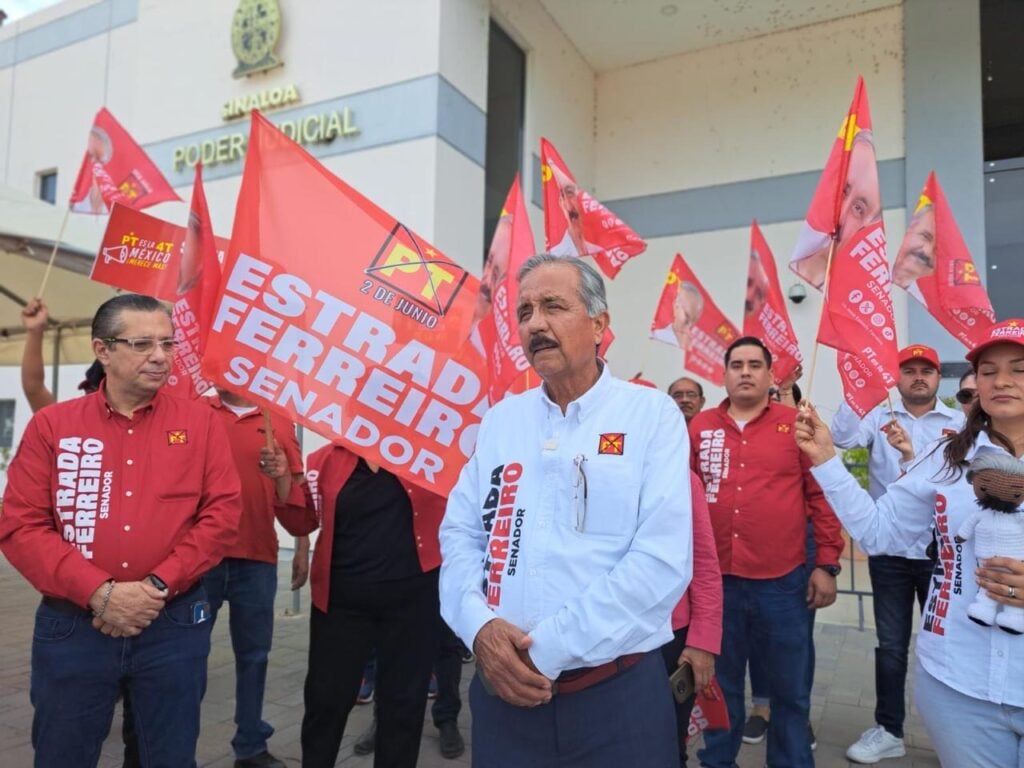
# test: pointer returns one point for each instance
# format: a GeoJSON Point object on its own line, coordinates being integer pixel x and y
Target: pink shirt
{"type": "Point", "coordinates": [701, 605]}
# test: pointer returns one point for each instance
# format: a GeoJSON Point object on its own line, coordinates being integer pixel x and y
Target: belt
{"type": "Point", "coordinates": [69, 608]}
{"type": "Point", "coordinates": [576, 680]}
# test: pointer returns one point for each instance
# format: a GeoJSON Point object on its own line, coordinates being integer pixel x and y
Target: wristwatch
{"type": "Point", "coordinates": [157, 582]}
{"type": "Point", "coordinates": [831, 570]}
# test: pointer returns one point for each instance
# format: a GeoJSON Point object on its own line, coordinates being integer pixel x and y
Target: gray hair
{"type": "Point", "coordinates": [107, 321]}
{"type": "Point", "coordinates": [591, 283]}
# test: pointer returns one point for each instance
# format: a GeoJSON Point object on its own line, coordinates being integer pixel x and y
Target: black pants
{"type": "Point", "coordinates": [401, 619]}
{"type": "Point", "coordinates": [670, 652]}
{"type": "Point", "coordinates": [448, 670]}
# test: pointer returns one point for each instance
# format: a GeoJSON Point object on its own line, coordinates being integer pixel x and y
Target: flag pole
{"type": "Point", "coordinates": [53, 253]}
{"type": "Point", "coordinates": [268, 428]}
{"type": "Point", "coordinates": [824, 301]}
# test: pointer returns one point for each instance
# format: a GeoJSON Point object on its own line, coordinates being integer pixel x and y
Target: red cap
{"type": "Point", "coordinates": [1008, 331]}
{"type": "Point", "coordinates": [921, 353]}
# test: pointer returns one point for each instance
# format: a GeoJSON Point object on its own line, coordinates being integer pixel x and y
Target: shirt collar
{"type": "Point", "coordinates": [588, 401]}
{"type": "Point", "coordinates": [106, 410]}
{"type": "Point", "coordinates": [723, 409]}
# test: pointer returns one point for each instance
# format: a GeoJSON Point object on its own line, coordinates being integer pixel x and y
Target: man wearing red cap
{"type": "Point", "coordinates": [915, 421]}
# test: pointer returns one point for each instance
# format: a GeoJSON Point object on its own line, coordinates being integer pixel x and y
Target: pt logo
{"type": "Point", "coordinates": [612, 443]}
{"type": "Point", "coordinates": [177, 437]}
{"type": "Point", "coordinates": [416, 271]}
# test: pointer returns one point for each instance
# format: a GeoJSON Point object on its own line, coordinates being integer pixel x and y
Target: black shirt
{"type": "Point", "coordinates": [373, 534]}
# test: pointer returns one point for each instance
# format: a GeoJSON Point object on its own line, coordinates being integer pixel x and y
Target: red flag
{"type": "Point", "coordinates": [847, 199]}
{"type": "Point", "coordinates": [709, 713]}
{"type": "Point", "coordinates": [340, 318]}
{"type": "Point", "coordinates": [935, 267]}
{"type": "Point", "coordinates": [142, 254]}
{"type": "Point", "coordinates": [197, 287]}
{"type": "Point", "coordinates": [498, 326]}
{"type": "Point", "coordinates": [575, 224]}
{"type": "Point", "coordinates": [858, 320]}
{"type": "Point", "coordinates": [687, 318]}
{"type": "Point", "coordinates": [116, 170]}
{"type": "Point", "coordinates": [764, 308]}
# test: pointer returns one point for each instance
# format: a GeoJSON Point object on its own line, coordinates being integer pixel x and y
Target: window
{"type": "Point", "coordinates": [6, 423]}
{"type": "Point", "coordinates": [506, 89]}
{"type": "Point", "coordinates": [47, 186]}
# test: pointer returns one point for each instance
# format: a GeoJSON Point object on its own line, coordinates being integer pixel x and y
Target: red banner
{"type": "Point", "coordinates": [687, 318]}
{"type": "Point", "coordinates": [858, 320]}
{"type": "Point", "coordinates": [847, 200]}
{"type": "Point", "coordinates": [764, 308]}
{"type": "Point", "coordinates": [498, 326]}
{"type": "Point", "coordinates": [116, 170]}
{"type": "Point", "coordinates": [140, 253]}
{"type": "Point", "coordinates": [575, 224]}
{"type": "Point", "coordinates": [337, 316]}
{"type": "Point", "coordinates": [198, 284]}
{"type": "Point", "coordinates": [935, 267]}
{"type": "Point", "coordinates": [709, 713]}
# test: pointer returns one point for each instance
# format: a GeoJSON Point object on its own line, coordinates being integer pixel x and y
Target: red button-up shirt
{"type": "Point", "coordinates": [94, 495]}
{"type": "Point", "coordinates": [257, 539]}
{"type": "Point", "coordinates": [760, 493]}
{"type": "Point", "coordinates": [329, 469]}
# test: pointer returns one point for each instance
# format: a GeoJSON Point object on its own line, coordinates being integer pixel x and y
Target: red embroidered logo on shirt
{"type": "Point", "coordinates": [612, 443]}
{"type": "Point", "coordinates": [784, 428]}
{"type": "Point", "coordinates": [177, 437]}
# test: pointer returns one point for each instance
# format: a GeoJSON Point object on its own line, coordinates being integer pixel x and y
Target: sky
{"type": "Point", "coordinates": [19, 9]}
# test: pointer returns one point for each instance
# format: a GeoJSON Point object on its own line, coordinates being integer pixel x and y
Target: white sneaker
{"type": "Point", "coordinates": [875, 744]}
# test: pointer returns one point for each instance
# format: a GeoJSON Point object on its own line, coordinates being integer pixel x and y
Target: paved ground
{"type": "Point", "coordinates": [842, 702]}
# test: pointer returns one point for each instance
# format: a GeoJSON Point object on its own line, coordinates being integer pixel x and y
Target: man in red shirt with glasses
{"type": "Point", "coordinates": [760, 494]}
{"type": "Point", "coordinates": [116, 503]}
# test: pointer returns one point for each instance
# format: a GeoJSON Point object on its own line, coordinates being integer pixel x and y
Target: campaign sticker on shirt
{"type": "Point", "coordinates": [612, 443]}
{"type": "Point", "coordinates": [177, 437]}
{"type": "Point", "coordinates": [784, 428]}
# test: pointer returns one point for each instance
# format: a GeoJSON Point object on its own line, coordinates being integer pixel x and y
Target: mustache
{"type": "Point", "coordinates": [538, 343]}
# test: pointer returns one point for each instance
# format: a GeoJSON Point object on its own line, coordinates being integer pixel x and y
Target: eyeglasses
{"type": "Point", "coordinates": [144, 345]}
{"type": "Point", "coordinates": [966, 395]}
{"type": "Point", "coordinates": [580, 496]}
{"type": "Point", "coordinates": [684, 395]}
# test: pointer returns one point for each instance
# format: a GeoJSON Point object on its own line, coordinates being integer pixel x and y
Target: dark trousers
{"type": "Point", "coordinates": [626, 720]}
{"type": "Point", "coordinates": [77, 674]}
{"type": "Point", "coordinates": [401, 619]}
{"type": "Point", "coordinates": [771, 615]}
{"type": "Point", "coordinates": [895, 582]}
{"type": "Point", "coordinates": [448, 670]}
{"type": "Point", "coordinates": [250, 587]}
{"type": "Point", "coordinates": [670, 652]}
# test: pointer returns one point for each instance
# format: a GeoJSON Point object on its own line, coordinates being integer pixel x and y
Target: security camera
{"type": "Point", "coordinates": [797, 293]}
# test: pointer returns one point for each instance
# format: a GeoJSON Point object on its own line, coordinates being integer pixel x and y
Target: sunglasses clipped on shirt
{"type": "Point", "coordinates": [966, 395]}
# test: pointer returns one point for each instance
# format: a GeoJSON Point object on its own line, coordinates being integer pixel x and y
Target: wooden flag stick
{"type": "Point", "coordinates": [268, 428]}
{"type": "Point", "coordinates": [53, 253]}
{"type": "Point", "coordinates": [824, 301]}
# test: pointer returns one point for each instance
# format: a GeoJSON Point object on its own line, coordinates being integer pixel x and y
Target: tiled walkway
{"type": "Point", "coordinates": [842, 703]}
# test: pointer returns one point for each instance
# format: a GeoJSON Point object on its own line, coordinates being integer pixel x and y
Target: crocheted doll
{"type": "Point", "coordinates": [998, 530]}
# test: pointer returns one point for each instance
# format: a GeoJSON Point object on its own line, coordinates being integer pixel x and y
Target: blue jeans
{"type": "Point", "coordinates": [77, 674]}
{"type": "Point", "coordinates": [967, 732]}
{"type": "Point", "coordinates": [250, 587]}
{"type": "Point", "coordinates": [771, 615]}
{"type": "Point", "coordinates": [895, 582]}
{"type": "Point", "coordinates": [626, 720]}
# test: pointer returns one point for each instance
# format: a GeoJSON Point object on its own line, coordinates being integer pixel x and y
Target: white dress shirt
{"type": "Point", "coordinates": [590, 568]}
{"type": "Point", "coordinates": [851, 431]}
{"type": "Point", "coordinates": [984, 662]}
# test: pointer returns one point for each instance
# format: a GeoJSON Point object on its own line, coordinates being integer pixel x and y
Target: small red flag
{"type": "Point", "coordinates": [847, 199]}
{"type": "Point", "coordinates": [497, 324]}
{"type": "Point", "coordinates": [935, 267]}
{"type": "Point", "coordinates": [116, 170]}
{"type": "Point", "coordinates": [764, 308]}
{"type": "Point", "coordinates": [687, 318]}
{"type": "Point", "coordinates": [575, 224]}
{"type": "Point", "coordinates": [709, 712]}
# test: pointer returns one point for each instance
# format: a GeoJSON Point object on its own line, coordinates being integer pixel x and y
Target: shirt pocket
{"type": "Point", "coordinates": [612, 502]}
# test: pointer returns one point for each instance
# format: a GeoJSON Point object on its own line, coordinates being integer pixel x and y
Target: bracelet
{"type": "Point", "coordinates": [106, 599]}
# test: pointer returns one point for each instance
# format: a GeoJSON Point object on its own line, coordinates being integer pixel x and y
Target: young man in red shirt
{"type": "Point", "coordinates": [760, 494]}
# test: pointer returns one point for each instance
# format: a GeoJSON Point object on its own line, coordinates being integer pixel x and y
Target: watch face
{"type": "Point", "coordinates": [255, 30]}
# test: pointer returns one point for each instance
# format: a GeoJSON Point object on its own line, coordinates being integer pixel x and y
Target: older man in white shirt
{"type": "Point", "coordinates": [566, 544]}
